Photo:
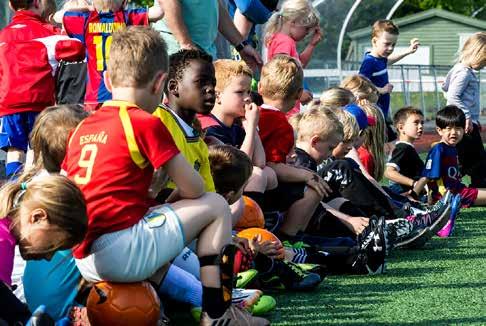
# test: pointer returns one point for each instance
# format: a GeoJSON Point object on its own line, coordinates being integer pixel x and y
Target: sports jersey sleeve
{"type": "Point", "coordinates": [397, 157]}
{"type": "Point", "coordinates": [279, 146]}
{"type": "Point", "coordinates": [154, 141]}
{"type": "Point", "coordinates": [432, 164]}
{"type": "Point", "coordinates": [137, 17]}
{"type": "Point", "coordinates": [367, 68]}
{"type": "Point", "coordinates": [74, 23]}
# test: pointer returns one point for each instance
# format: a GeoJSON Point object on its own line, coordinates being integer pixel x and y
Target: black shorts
{"type": "Point", "coordinates": [282, 197]}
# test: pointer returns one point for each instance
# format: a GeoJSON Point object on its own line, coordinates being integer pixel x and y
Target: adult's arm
{"type": "Point", "coordinates": [231, 33]}
{"type": "Point", "coordinates": [175, 23]}
{"type": "Point", "coordinates": [242, 24]}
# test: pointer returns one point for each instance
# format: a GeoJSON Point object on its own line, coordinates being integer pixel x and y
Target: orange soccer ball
{"type": "Point", "coordinates": [252, 216]}
{"type": "Point", "coordinates": [123, 304]}
{"type": "Point", "coordinates": [265, 236]}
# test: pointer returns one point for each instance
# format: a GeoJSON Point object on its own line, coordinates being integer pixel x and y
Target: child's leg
{"type": "Point", "coordinates": [257, 181]}
{"type": "Point", "coordinates": [481, 197]}
{"type": "Point", "coordinates": [237, 211]}
{"type": "Point", "coordinates": [14, 162]}
{"type": "Point", "coordinates": [209, 219]}
{"type": "Point", "coordinates": [300, 213]}
{"type": "Point", "coordinates": [472, 157]}
{"type": "Point", "coordinates": [272, 181]}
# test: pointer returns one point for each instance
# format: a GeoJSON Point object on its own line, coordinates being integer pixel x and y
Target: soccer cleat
{"type": "Point", "coordinates": [264, 305]}
{"type": "Point", "coordinates": [245, 298]}
{"type": "Point", "coordinates": [319, 269]}
{"type": "Point", "coordinates": [290, 275]}
{"type": "Point", "coordinates": [245, 278]}
{"type": "Point", "coordinates": [374, 245]}
{"type": "Point", "coordinates": [233, 316]}
{"type": "Point", "coordinates": [447, 230]}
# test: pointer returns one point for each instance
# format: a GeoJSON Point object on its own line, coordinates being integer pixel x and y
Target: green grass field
{"type": "Point", "coordinates": [442, 284]}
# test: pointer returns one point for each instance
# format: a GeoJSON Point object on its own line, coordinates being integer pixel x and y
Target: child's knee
{"type": "Point", "coordinates": [219, 205]}
{"type": "Point", "coordinates": [271, 176]}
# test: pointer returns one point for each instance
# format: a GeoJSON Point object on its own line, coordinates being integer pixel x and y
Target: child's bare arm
{"type": "Point", "coordinates": [355, 224]}
{"type": "Point", "coordinates": [259, 158]}
{"type": "Point", "coordinates": [306, 55]}
{"type": "Point", "coordinates": [289, 173]}
{"type": "Point", "coordinates": [414, 44]}
{"type": "Point", "coordinates": [420, 185]}
{"type": "Point", "coordinates": [189, 183]}
{"type": "Point", "coordinates": [395, 176]}
{"type": "Point", "coordinates": [156, 13]}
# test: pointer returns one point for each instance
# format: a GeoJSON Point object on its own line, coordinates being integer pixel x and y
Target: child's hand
{"type": "Point", "coordinates": [267, 248]}
{"type": "Point", "coordinates": [252, 116]}
{"type": "Point", "coordinates": [159, 180]}
{"type": "Point", "coordinates": [316, 37]}
{"type": "Point", "coordinates": [320, 186]}
{"type": "Point", "coordinates": [414, 44]}
{"type": "Point", "coordinates": [306, 97]}
{"type": "Point", "coordinates": [77, 5]}
{"type": "Point", "coordinates": [357, 224]}
{"type": "Point", "coordinates": [243, 245]}
{"type": "Point", "coordinates": [388, 88]}
{"type": "Point", "coordinates": [469, 126]}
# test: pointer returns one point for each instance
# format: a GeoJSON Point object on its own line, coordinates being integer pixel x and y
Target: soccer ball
{"type": "Point", "coordinates": [265, 236]}
{"type": "Point", "coordinates": [123, 304]}
{"type": "Point", "coordinates": [252, 216]}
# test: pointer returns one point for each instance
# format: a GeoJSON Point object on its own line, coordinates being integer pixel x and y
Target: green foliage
{"type": "Point", "coordinates": [142, 3]}
{"type": "Point", "coordinates": [464, 7]}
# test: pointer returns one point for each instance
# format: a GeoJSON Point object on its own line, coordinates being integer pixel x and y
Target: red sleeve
{"type": "Point", "coordinates": [71, 50]}
{"type": "Point", "coordinates": [137, 17]}
{"type": "Point", "coordinates": [153, 139]}
{"type": "Point", "coordinates": [74, 23]}
{"type": "Point", "coordinates": [366, 159]}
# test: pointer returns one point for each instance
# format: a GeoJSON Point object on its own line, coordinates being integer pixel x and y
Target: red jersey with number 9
{"type": "Point", "coordinates": [111, 156]}
{"type": "Point", "coordinates": [95, 30]}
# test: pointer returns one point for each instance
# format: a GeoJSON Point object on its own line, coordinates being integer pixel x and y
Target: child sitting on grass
{"type": "Point", "coordinates": [234, 121]}
{"type": "Point", "coordinates": [404, 166]}
{"type": "Point", "coordinates": [112, 156]}
{"type": "Point", "coordinates": [441, 171]}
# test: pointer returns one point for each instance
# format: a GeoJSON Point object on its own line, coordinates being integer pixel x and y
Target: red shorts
{"type": "Point", "coordinates": [468, 196]}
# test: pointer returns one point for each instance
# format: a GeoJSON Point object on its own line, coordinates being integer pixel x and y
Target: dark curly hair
{"type": "Point", "coordinates": [178, 61]}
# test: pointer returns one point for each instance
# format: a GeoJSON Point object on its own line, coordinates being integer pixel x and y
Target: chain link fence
{"type": "Point", "coordinates": [416, 85]}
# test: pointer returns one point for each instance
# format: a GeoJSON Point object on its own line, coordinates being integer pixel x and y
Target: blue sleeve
{"type": "Point", "coordinates": [254, 10]}
{"type": "Point", "coordinates": [367, 68]}
{"type": "Point", "coordinates": [432, 163]}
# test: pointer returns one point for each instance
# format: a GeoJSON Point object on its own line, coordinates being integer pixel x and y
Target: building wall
{"type": "Point", "coordinates": [443, 37]}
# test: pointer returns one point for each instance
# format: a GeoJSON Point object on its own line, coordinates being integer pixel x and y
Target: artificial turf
{"type": "Point", "coordinates": [443, 283]}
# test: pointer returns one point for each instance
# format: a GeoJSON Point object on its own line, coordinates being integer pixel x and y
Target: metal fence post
{"type": "Point", "coordinates": [436, 88]}
{"type": "Point", "coordinates": [422, 97]}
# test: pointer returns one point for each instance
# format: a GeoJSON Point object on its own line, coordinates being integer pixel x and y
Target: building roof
{"type": "Point", "coordinates": [424, 15]}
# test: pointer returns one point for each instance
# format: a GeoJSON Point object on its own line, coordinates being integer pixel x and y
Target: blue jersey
{"type": "Point", "coordinates": [376, 70]}
{"type": "Point", "coordinates": [442, 168]}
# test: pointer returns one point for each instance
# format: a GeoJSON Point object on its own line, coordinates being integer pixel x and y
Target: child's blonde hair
{"type": "Point", "coordinates": [361, 87]}
{"type": "Point", "coordinates": [49, 135]}
{"type": "Point", "coordinates": [226, 69]}
{"type": "Point", "coordinates": [350, 125]}
{"type": "Point", "coordinates": [337, 97]}
{"type": "Point", "coordinates": [108, 5]}
{"type": "Point", "coordinates": [473, 52]}
{"type": "Point", "coordinates": [300, 11]}
{"type": "Point", "coordinates": [374, 138]}
{"type": "Point", "coordinates": [60, 198]}
{"type": "Point", "coordinates": [281, 78]}
{"type": "Point", "coordinates": [137, 54]}
{"type": "Point", "coordinates": [318, 121]}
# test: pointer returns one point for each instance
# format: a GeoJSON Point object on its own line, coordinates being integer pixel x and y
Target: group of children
{"type": "Point", "coordinates": [150, 184]}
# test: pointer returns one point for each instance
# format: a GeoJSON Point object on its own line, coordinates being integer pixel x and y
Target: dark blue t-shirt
{"type": "Point", "coordinates": [376, 70]}
{"type": "Point", "coordinates": [442, 167]}
{"type": "Point", "coordinates": [234, 135]}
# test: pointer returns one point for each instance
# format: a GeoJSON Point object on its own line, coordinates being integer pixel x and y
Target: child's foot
{"type": "Point", "coordinates": [264, 305]}
{"type": "Point", "coordinates": [373, 242]}
{"type": "Point", "coordinates": [245, 298]}
{"type": "Point", "coordinates": [233, 316]}
{"type": "Point", "coordinates": [447, 230]}
{"type": "Point", "coordinates": [290, 275]}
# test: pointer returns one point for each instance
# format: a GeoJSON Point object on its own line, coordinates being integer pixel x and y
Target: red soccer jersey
{"type": "Point", "coordinates": [95, 30]}
{"type": "Point", "coordinates": [111, 156]}
{"type": "Point", "coordinates": [276, 134]}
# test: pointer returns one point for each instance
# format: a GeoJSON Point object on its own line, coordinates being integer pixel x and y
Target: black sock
{"type": "Point", "coordinates": [259, 197]}
{"type": "Point", "coordinates": [212, 302]}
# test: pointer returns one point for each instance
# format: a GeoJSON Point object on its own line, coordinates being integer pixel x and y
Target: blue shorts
{"type": "Point", "coordinates": [15, 130]}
